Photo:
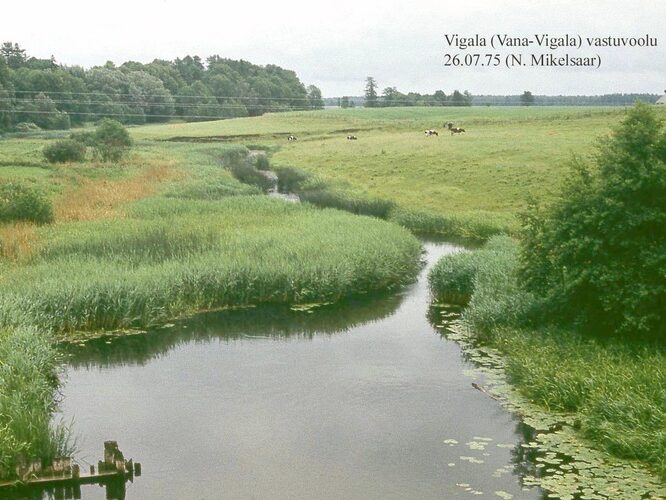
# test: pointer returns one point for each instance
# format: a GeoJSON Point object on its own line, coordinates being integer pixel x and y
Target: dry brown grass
{"type": "Point", "coordinates": [101, 199]}
{"type": "Point", "coordinates": [87, 199]}
{"type": "Point", "coordinates": [17, 240]}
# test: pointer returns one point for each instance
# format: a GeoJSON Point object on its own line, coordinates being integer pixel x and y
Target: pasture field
{"type": "Point", "coordinates": [480, 178]}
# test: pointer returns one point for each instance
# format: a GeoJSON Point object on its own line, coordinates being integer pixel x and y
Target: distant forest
{"type": "Point", "coordinates": [50, 95]}
{"type": "Point", "coordinates": [439, 98]}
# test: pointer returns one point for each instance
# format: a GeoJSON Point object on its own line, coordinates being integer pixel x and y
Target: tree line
{"type": "Point", "coordinates": [392, 97]}
{"type": "Point", "coordinates": [56, 96]}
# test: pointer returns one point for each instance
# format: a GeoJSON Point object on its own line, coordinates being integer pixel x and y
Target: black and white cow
{"type": "Point", "coordinates": [291, 138]}
{"type": "Point", "coordinates": [351, 138]}
{"type": "Point", "coordinates": [431, 132]}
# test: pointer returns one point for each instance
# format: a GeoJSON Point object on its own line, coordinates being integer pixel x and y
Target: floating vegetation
{"type": "Point", "coordinates": [308, 308]}
{"type": "Point", "coordinates": [552, 455]}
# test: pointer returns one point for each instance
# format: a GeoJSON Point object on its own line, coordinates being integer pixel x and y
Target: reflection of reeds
{"type": "Point", "coordinates": [273, 321]}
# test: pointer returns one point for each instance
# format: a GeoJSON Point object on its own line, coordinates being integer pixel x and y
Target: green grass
{"type": "Point", "coordinates": [174, 257]}
{"type": "Point", "coordinates": [167, 232]}
{"type": "Point", "coordinates": [28, 382]}
{"type": "Point", "coordinates": [615, 388]}
{"type": "Point", "coordinates": [467, 186]}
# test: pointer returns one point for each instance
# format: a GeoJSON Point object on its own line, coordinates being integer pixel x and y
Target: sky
{"type": "Point", "coordinates": [336, 45]}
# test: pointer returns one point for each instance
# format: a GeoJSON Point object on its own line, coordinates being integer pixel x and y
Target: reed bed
{"type": "Point", "coordinates": [173, 257]}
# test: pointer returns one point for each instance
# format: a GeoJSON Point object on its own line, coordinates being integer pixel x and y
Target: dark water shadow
{"type": "Point", "coordinates": [279, 322]}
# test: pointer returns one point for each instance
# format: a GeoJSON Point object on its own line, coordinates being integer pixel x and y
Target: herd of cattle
{"type": "Point", "coordinates": [449, 126]}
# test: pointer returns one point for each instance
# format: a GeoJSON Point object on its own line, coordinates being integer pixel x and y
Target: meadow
{"type": "Point", "coordinates": [469, 185]}
{"type": "Point", "coordinates": [169, 231]}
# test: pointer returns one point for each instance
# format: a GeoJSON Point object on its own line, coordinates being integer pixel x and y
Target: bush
{"type": "Point", "coordinates": [65, 150]}
{"type": "Point", "coordinates": [598, 254]}
{"type": "Point", "coordinates": [452, 278]}
{"type": "Point", "coordinates": [261, 162]}
{"type": "Point", "coordinates": [19, 202]}
{"type": "Point", "coordinates": [290, 178]}
{"type": "Point", "coordinates": [246, 173]}
{"type": "Point", "coordinates": [112, 140]}
{"type": "Point", "coordinates": [85, 138]}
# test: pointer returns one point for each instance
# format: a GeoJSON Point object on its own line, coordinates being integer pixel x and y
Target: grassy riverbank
{"type": "Point", "coordinates": [29, 383]}
{"type": "Point", "coordinates": [614, 387]}
{"type": "Point", "coordinates": [169, 231]}
{"type": "Point", "coordinates": [164, 233]}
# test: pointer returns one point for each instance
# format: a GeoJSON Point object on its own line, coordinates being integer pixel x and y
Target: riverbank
{"type": "Point", "coordinates": [611, 388]}
{"type": "Point", "coordinates": [166, 233]}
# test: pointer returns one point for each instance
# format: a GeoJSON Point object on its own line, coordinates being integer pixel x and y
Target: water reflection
{"type": "Point", "coordinates": [356, 400]}
{"type": "Point", "coordinates": [260, 322]}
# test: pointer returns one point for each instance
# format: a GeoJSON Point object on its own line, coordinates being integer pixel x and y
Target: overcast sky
{"type": "Point", "coordinates": [336, 45]}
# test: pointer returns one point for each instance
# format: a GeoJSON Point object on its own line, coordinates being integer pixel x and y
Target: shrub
{"type": "Point", "coordinates": [112, 140]}
{"type": "Point", "coordinates": [248, 174]}
{"type": "Point", "coordinates": [290, 178]}
{"type": "Point", "coordinates": [597, 255]}
{"type": "Point", "coordinates": [261, 162]}
{"type": "Point", "coordinates": [234, 156]}
{"type": "Point", "coordinates": [85, 138]}
{"type": "Point", "coordinates": [65, 150]}
{"type": "Point", "coordinates": [19, 202]}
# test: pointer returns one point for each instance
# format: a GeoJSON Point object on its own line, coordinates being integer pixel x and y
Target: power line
{"type": "Point", "coordinates": [380, 99]}
{"type": "Point", "coordinates": [86, 113]}
{"type": "Point", "coordinates": [148, 103]}
{"type": "Point", "coordinates": [162, 95]}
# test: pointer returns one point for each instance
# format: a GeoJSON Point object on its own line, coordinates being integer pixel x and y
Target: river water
{"type": "Point", "coordinates": [360, 400]}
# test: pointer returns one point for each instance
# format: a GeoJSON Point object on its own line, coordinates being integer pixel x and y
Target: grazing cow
{"type": "Point", "coordinates": [351, 138]}
{"type": "Point", "coordinates": [456, 130]}
{"type": "Point", "coordinates": [291, 138]}
{"type": "Point", "coordinates": [431, 132]}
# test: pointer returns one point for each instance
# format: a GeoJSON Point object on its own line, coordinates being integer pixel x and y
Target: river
{"type": "Point", "coordinates": [363, 399]}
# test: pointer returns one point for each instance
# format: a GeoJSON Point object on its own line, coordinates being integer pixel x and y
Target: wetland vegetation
{"type": "Point", "coordinates": [169, 230]}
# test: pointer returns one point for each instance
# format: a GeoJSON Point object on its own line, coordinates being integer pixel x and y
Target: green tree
{"type": "Point", "coordinates": [598, 254]}
{"type": "Point", "coordinates": [344, 102]}
{"type": "Point", "coordinates": [527, 99]}
{"type": "Point", "coordinates": [13, 54]}
{"type": "Point", "coordinates": [314, 98]}
{"type": "Point", "coordinates": [391, 97]}
{"type": "Point", "coordinates": [439, 97]}
{"type": "Point", "coordinates": [457, 99]}
{"type": "Point", "coordinates": [370, 92]}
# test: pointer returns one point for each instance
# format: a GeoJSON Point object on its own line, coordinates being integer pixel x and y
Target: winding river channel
{"type": "Point", "coordinates": [363, 399]}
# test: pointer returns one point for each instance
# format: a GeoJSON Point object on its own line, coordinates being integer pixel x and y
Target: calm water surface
{"type": "Point", "coordinates": [350, 401]}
